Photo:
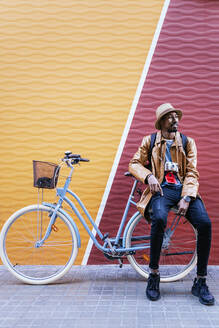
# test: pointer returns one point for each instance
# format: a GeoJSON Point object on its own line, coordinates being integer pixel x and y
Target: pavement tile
{"type": "Point", "coordinates": [93, 296]}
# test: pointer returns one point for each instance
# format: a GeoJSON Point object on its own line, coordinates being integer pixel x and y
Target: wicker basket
{"type": "Point", "coordinates": [45, 174]}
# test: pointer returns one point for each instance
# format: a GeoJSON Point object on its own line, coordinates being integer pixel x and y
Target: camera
{"type": "Point", "coordinates": [171, 166]}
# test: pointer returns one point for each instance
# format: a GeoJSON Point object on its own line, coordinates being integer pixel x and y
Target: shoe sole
{"type": "Point", "coordinates": [153, 299]}
{"type": "Point", "coordinates": [201, 301]}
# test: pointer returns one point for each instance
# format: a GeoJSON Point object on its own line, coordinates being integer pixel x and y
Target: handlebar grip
{"type": "Point", "coordinates": [84, 160]}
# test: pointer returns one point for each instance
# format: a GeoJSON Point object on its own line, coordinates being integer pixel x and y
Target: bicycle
{"type": "Point", "coordinates": [39, 243]}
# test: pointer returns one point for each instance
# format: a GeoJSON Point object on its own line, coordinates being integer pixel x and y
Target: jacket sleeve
{"type": "Point", "coordinates": [190, 183]}
{"type": "Point", "coordinates": [139, 160]}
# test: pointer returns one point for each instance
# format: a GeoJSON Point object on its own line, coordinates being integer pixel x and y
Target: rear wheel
{"type": "Point", "coordinates": [178, 254]}
{"type": "Point", "coordinates": [27, 260]}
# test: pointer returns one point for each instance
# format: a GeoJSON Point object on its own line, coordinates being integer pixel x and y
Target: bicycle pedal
{"type": "Point", "coordinates": [146, 257]}
{"type": "Point", "coordinates": [54, 228]}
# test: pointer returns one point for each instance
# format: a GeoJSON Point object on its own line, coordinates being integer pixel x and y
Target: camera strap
{"type": "Point", "coordinates": [152, 143]}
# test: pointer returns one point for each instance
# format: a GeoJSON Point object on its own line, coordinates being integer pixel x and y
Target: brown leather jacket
{"type": "Point", "coordinates": [188, 174]}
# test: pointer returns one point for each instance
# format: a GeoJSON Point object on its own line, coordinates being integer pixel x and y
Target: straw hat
{"type": "Point", "coordinates": [163, 110]}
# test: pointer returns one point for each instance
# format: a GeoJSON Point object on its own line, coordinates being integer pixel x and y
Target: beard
{"type": "Point", "coordinates": [173, 128]}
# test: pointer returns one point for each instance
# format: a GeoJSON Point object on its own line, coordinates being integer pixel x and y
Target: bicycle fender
{"type": "Point", "coordinates": [70, 221]}
{"type": "Point", "coordinates": [127, 227]}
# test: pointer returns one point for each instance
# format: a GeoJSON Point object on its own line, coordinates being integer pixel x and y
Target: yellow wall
{"type": "Point", "coordinates": [68, 75]}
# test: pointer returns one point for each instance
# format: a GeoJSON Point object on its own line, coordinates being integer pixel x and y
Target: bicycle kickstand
{"type": "Point", "coordinates": [114, 252]}
{"type": "Point", "coordinates": [120, 263]}
{"type": "Point", "coordinates": [105, 237]}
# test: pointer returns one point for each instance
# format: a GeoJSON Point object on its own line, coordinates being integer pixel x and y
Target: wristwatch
{"type": "Point", "coordinates": [186, 199]}
{"type": "Point", "coordinates": [147, 177]}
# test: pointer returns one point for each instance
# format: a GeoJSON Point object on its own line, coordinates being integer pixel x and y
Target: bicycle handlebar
{"type": "Point", "coordinates": [75, 158]}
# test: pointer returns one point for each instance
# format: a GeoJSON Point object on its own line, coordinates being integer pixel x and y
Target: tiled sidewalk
{"type": "Point", "coordinates": [104, 296]}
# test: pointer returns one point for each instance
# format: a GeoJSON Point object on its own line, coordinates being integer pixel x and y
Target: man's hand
{"type": "Point", "coordinates": [183, 207]}
{"type": "Point", "coordinates": [154, 185]}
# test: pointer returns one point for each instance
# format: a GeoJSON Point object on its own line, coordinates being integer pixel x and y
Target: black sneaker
{"type": "Point", "coordinates": [152, 290]}
{"type": "Point", "coordinates": [200, 289]}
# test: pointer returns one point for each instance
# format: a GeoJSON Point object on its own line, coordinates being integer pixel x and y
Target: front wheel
{"type": "Point", "coordinates": [178, 254]}
{"type": "Point", "coordinates": [25, 258]}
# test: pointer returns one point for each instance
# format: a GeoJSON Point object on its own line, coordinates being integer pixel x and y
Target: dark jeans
{"type": "Point", "coordinates": [196, 214]}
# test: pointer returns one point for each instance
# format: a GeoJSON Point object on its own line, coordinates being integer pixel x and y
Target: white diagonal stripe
{"type": "Point", "coordinates": [127, 127]}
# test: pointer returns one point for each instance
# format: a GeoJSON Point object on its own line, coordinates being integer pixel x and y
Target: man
{"type": "Point", "coordinates": [172, 180]}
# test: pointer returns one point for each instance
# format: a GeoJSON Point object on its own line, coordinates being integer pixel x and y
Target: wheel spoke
{"type": "Point", "coordinates": [21, 254]}
{"type": "Point", "coordinates": [177, 257]}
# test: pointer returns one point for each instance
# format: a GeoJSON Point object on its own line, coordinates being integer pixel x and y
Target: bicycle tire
{"type": "Point", "coordinates": [37, 265]}
{"type": "Point", "coordinates": [171, 267]}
